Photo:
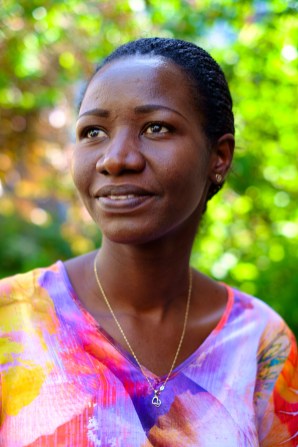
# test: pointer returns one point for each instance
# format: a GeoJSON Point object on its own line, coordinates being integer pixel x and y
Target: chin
{"type": "Point", "coordinates": [129, 238]}
{"type": "Point", "coordinates": [129, 233]}
{"type": "Point", "coordinates": [141, 235]}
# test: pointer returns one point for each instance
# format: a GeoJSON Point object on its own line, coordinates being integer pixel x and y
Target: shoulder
{"type": "Point", "coordinates": [253, 308]}
{"type": "Point", "coordinates": [274, 338]}
{"type": "Point", "coordinates": [276, 379]}
{"type": "Point", "coordinates": [25, 299]}
{"type": "Point", "coordinates": [23, 286]}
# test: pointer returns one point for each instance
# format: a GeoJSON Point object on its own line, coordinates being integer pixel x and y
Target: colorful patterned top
{"type": "Point", "coordinates": [66, 383]}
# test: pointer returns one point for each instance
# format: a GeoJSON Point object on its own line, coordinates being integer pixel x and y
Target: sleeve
{"type": "Point", "coordinates": [277, 391]}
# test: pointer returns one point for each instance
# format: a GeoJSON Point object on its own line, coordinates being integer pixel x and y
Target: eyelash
{"type": "Point", "coordinates": [85, 132]}
{"type": "Point", "coordinates": [159, 124]}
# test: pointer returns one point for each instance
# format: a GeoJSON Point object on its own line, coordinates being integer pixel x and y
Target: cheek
{"type": "Point", "coordinates": [188, 178]}
{"type": "Point", "coordinates": [81, 170]}
{"type": "Point", "coordinates": [196, 183]}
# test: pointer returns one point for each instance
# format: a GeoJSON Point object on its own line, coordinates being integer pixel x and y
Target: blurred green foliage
{"type": "Point", "coordinates": [249, 234]}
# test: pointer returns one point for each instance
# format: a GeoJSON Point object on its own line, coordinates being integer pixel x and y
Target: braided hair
{"type": "Point", "coordinates": [211, 92]}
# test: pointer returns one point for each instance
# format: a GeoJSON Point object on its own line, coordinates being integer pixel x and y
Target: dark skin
{"type": "Point", "coordinates": [143, 167]}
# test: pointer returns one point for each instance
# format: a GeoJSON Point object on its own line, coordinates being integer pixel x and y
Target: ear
{"type": "Point", "coordinates": [221, 158]}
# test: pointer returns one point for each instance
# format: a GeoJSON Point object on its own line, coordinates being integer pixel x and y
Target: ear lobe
{"type": "Point", "coordinates": [222, 158]}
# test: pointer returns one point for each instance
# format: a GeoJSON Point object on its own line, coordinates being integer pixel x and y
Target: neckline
{"type": "Point", "coordinates": [124, 352]}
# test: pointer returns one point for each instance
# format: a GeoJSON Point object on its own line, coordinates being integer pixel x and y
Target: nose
{"type": "Point", "coordinates": [122, 155]}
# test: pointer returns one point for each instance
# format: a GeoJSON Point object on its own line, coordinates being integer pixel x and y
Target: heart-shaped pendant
{"type": "Point", "coordinates": [156, 400]}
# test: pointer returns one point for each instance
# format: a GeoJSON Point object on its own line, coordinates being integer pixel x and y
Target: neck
{"type": "Point", "coordinates": [144, 278]}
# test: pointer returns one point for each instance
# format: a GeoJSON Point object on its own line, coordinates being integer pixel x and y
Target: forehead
{"type": "Point", "coordinates": [139, 78]}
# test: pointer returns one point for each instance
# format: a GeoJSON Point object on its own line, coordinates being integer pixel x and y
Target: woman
{"type": "Point", "coordinates": [129, 346]}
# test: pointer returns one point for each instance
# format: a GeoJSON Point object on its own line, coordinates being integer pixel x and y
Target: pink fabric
{"type": "Point", "coordinates": [66, 383]}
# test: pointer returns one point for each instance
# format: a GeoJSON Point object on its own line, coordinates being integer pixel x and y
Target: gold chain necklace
{"type": "Point", "coordinates": [155, 400]}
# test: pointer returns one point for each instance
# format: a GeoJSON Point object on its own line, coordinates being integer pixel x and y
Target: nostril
{"type": "Point", "coordinates": [111, 165]}
{"type": "Point", "coordinates": [118, 163]}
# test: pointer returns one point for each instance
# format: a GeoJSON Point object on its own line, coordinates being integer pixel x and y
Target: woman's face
{"type": "Point", "coordinates": [141, 163]}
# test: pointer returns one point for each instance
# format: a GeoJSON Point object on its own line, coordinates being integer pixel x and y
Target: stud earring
{"type": "Point", "coordinates": [218, 178]}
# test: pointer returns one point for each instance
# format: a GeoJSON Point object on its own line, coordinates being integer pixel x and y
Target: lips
{"type": "Point", "coordinates": [117, 197]}
{"type": "Point", "coordinates": [118, 191]}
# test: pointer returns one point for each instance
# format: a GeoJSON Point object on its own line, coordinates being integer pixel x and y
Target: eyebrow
{"type": "Point", "coordinates": [96, 112]}
{"type": "Point", "coordinates": [147, 108]}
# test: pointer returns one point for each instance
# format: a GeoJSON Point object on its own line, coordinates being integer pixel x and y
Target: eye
{"type": "Point", "coordinates": [156, 128]}
{"type": "Point", "coordinates": [94, 132]}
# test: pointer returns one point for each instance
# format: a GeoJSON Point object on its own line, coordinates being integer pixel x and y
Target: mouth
{"type": "Point", "coordinates": [122, 197]}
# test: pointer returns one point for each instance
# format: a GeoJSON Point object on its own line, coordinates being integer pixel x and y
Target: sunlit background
{"type": "Point", "coordinates": [249, 234]}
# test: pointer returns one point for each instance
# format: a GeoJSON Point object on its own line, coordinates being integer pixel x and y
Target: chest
{"type": "Point", "coordinates": [90, 393]}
